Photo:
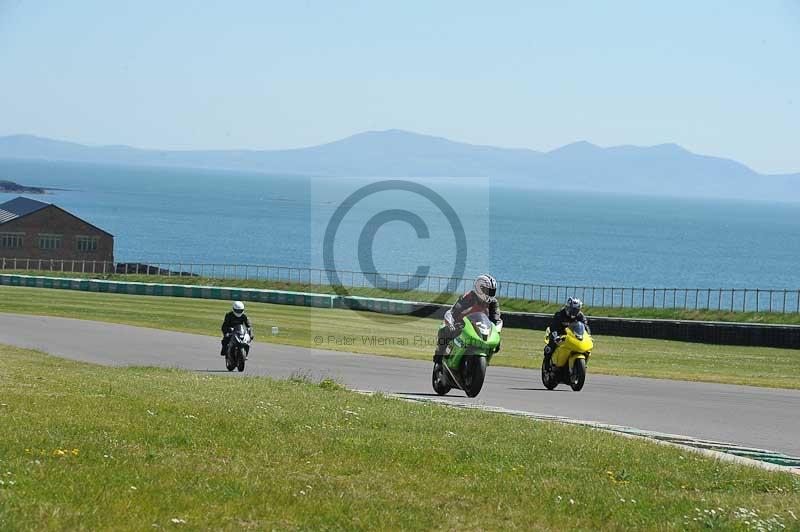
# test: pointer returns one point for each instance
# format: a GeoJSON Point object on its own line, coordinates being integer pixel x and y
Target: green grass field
{"type": "Point", "coordinates": [351, 331]}
{"type": "Point", "coordinates": [85, 447]}
{"type": "Point", "coordinates": [519, 305]}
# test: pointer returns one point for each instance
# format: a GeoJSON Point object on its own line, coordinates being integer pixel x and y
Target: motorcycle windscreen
{"type": "Point", "coordinates": [240, 330]}
{"type": "Point", "coordinates": [578, 329]}
{"type": "Point", "coordinates": [481, 323]}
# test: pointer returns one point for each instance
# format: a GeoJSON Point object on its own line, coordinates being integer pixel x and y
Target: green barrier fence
{"type": "Point", "coordinates": [279, 297]}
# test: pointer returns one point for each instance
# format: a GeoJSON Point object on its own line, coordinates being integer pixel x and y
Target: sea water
{"type": "Point", "coordinates": [571, 238]}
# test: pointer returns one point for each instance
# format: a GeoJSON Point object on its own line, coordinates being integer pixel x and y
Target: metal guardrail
{"type": "Point", "coordinates": [721, 299]}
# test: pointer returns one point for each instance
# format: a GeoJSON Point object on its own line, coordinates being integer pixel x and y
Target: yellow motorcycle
{"type": "Point", "coordinates": [569, 360]}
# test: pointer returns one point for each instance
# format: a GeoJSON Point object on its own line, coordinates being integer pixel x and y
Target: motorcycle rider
{"type": "Point", "coordinates": [480, 299]}
{"type": "Point", "coordinates": [572, 312]}
{"type": "Point", "coordinates": [233, 318]}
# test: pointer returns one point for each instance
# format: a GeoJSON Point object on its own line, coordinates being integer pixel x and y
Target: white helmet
{"type": "Point", "coordinates": [238, 308]}
{"type": "Point", "coordinates": [486, 287]}
{"type": "Point", "coordinates": [574, 307]}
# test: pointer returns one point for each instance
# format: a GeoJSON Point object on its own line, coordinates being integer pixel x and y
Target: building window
{"type": "Point", "coordinates": [49, 241]}
{"type": "Point", "coordinates": [11, 240]}
{"type": "Point", "coordinates": [86, 244]}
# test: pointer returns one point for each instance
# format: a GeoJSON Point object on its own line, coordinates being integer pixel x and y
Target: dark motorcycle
{"type": "Point", "coordinates": [238, 348]}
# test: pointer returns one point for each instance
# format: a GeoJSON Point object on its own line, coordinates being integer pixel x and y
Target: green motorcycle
{"type": "Point", "coordinates": [465, 360]}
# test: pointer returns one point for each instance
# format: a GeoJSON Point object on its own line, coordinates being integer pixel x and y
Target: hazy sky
{"type": "Point", "coordinates": [719, 77]}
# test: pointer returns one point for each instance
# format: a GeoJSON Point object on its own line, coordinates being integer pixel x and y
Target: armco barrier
{"type": "Point", "coordinates": [706, 332]}
{"type": "Point", "coordinates": [724, 333]}
{"type": "Point", "coordinates": [279, 297]}
{"type": "Point", "coordinates": [780, 300]}
{"type": "Point", "coordinates": [389, 306]}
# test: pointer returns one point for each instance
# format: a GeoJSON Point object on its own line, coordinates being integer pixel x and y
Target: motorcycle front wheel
{"type": "Point", "coordinates": [474, 374]}
{"type": "Point", "coordinates": [578, 375]}
{"type": "Point", "coordinates": [240, 360]}
{"type": "Point", "coordinates": [230, 363]}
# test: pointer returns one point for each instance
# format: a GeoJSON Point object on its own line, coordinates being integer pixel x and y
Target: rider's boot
{"type": "Point", "coordinates": [439, 354]}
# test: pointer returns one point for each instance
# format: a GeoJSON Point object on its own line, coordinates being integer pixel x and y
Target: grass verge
{"type": "Point", "coordinates": [361, 332]}
{"type": "Point", "coordinates": [85, 447]}
{"type": "Point", "coordinates": [509, 304]}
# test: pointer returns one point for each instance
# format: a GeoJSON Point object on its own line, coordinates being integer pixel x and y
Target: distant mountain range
{"type": "Point", "coordinates": [665, 169]}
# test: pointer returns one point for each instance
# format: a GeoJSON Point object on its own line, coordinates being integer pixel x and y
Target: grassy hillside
{"type": "Point", "coordinates": [399, 336]}
{"type": "Point", "coordinates": [85, 447]}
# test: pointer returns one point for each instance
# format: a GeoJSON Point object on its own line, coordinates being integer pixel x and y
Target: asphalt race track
{"type": "Point", "coordinates": [758, 417]}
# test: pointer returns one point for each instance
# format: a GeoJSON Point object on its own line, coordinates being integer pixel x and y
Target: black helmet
{"type": "Point", "coordinates": [573, 307]}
